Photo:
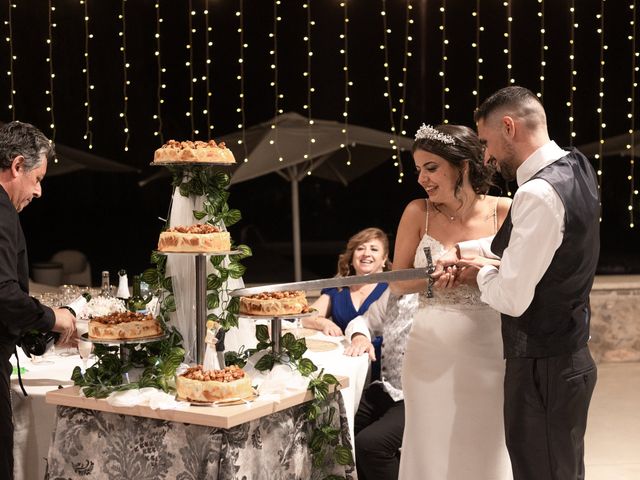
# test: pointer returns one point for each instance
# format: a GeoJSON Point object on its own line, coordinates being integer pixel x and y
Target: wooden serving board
{"type": "Point", "coordinates": [219, 416]}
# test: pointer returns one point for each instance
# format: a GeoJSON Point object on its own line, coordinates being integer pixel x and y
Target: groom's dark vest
{"type": "Point", "coordinates": [557, 320]}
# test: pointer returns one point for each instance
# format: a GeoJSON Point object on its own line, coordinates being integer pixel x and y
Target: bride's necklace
{"type": "Point", "coordinates": [452, 218]}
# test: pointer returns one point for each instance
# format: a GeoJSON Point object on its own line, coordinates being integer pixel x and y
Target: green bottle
{"type": "Point", "coordinates": [136, 302]}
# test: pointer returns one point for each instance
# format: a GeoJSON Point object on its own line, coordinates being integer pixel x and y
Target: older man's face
{"type": "Point", "coordinates": [28, 183]}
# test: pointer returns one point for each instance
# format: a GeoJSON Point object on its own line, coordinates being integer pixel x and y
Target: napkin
{"type": "Point", "coordinates": [150, 397]}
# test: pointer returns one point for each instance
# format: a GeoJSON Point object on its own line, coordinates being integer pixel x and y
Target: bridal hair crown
{"type": "Point", "coordinates": [427, 132]}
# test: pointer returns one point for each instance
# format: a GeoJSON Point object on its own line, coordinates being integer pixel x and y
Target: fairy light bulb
{"type": "Point", "coordinates": [600, 110]}
{"type": "Point", "coordinates": [240, 78]}
{"type": "Point", "coordinates": [50, 109]}
{"type": "Point", "coordinates": [443, 65]}
{"type": "Point", "coordinates": [275, 83]}
{"type": "Point", "coordinates": [88, 132]}
{"type": "Point", "coordinates": [632, 125]}
{"type": "Point", "coordinates": [125, 77]}
{"type": "Point", "coordinates": [307, 4]}
{"type": "Point", "coordinates": [507, 50]}
{"type": "Point", "coordinates": [189, 67]}
{"type": "Point", "coordinates": [157, 117]}
{"type": "Point", "coordinates": [476, 46]}
{"type": "Point", "coordinates": [12, 60]}
{"type": "Point", "coordinates": [207, 68]}
{"type": "Point", "coordinates": [543, 49]}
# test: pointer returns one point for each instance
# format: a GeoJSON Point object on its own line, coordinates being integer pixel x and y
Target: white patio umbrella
{"type": "Point", "coordinates": [330, 156]}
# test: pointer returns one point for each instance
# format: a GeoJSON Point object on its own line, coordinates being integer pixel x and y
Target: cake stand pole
{"type": "Point", "coordinates": [201, 306]}
{"type": "Point", "coordinates": [276, 331]}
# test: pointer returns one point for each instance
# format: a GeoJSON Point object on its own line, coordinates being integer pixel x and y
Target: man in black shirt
{"type": "Point", "coordinates": [24, 154]}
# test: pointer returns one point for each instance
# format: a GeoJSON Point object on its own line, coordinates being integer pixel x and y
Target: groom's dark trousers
{"type": "Point", "coordinates": [545, 410]}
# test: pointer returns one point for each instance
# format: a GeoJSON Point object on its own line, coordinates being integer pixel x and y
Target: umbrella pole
{"type": "Point", "coordinates": [295, 211]}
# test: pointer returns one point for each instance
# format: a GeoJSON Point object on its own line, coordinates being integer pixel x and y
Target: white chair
{"type": "Point", "coordinates": [76, 269]}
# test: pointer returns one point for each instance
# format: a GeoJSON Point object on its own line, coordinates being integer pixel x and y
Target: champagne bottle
{"type": "Point", "coordinates": [38, 343]}
{"type": "Point", "coordinates": [123, 286]}
{"type": "Point", "coordinates": [105, 290]}
{"type": "Point", "coordinates": [137, 303]}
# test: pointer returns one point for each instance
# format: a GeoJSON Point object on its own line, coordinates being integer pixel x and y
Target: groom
{"type": "Point", "coordinates": [548, 246]}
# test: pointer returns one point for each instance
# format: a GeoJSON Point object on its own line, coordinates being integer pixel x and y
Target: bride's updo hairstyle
{"type": "Point", "coordinates": [457, 144]}
{"type": "Point", "coordinates": [345, 267]}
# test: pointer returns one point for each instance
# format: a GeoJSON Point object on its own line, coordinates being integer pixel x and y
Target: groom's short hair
{"type": "Point", "coordinates": [515, 101]}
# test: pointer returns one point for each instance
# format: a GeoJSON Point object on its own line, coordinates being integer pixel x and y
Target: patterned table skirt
{"type": "Point", "coordinates": [98, 445]}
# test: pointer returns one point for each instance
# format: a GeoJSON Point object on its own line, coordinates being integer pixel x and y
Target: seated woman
{"type": "Point", "coordinates": [367, 252]}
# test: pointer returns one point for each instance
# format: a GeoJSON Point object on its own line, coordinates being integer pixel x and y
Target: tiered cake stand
{"type": "Point", "coordinates": [276, 325]}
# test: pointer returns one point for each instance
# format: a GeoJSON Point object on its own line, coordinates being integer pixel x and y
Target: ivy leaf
{"type": "Point", "coordinates": [151, 277]}
{"type": "Point", "coordinates": [199, 215]}
{"type": "Point", "coordinates": [330, 379]}
{"type": "Point", "coordinates": [306, 366]}
{"type": "Point", "coordinates": [298, 349]}
{"type": "Point", "coordinates": [214, 282]}
{"type": "Point", "coordinates": [244, 250]}
{"type": "Point", "coordinates": [232, 216]}
{"type": "Point", "coordinates": [236, 270]}
{"type": "Point", "coordinates": [216, 260]}
{"type": "Point", "coordinates": [262, 333]}
{"type": "Point", "coordinates": [231, 320]}
{"type": "Point", "coordinates": [314, 411]}
{"type": "Point", "coordinates": [234, 305]}
{"type": "Point", "coordinates": [167, 284]}
{"type": "Point", "coordinates": [266, 362]}
{"type": "Point", "coordinates": [169, 303]}
{"type": "Point", "coordinates": [287, 341]}
{"type": "Point", "coordinates": [213, 300]}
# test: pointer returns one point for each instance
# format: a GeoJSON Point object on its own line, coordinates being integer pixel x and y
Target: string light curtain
{"type": "Point", "coordinates": [310, 88]}
{"type": "Point", "coordinates": [572, 68]}
{"type": "Point", "coordinates": [601, 124]}
{"type": "Point", "coordinates": [189, 65]}
{"type": "Point", "coordinates": [125, 78]}
{"type": "Point", "coordinates": [507, 51]}
{"type": "Point", "coordinates": [543, 49]}
{"type": "Point", "coordinates": [476, 46]}
{"type": "Point", "coordinates": [157, 117]}
{"type": "Point", "coordinates": [632, 104]}
{"type": "Point", "coordinates": [405, 67]}
{"type": "Point", "coordinates": [51, 25]}
{"type": "Point", "coordinates": [277, 95]}
{"type": "Point", "coordinates": [443, 67]}
{"type": "Point", "coordinates": [88, 132]}
{"type": "Point", "coordinates": [12, 59]}
{"type": "Point", "coordinates": [344, 51]}
{"type": "Point", "coordinates": [208, 73]}
{"type": "Point", "coordinates": [241, 79]}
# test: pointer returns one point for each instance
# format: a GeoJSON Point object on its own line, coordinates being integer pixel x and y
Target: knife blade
{"type": "Point", "coordinates": [393, 276]}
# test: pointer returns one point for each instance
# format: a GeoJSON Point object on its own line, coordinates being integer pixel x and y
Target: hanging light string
{"type": "Point", "coordinates": [277, 96]}
{"type": "Point", "coordinates": [388, 93]}
{"type": "Point", "coordinates": [206, 77]}
{"type": "Point", "coordinates": [405, 65]}
{"type": "Point", "coordinates": [310, 89]}
{"type": "Point", "coordinates": [88, 133]}
{"type": "Point", "coordinates": [543, 49]}
{"type": "Point", "coordinates": [240, 77]}
{"type": "Point", "coordinates": [632, 124]}
{"type": "Point", "coordinates": [572, 68]}
{"type": "Point", "coordinates": [189, 65]}
{"type": "Point", "coordinates": [52, 125]}
{"type": "Point", "coordinates": [443, 67]}
{"type": "Point", "coordinates": [125, 79]}
{"type": "Point", "coordinates": [12, 58]}
{"type": "Point", "coordinates": [476, 45]}
{"type": "Point", "coordinates": [601, 124]}
{"type": "Point", "coordinates": [507, 51]}
{"type": "Point", "coordinates": [160, 70]}
{"type": "Point", "coordinates": [344, 36]}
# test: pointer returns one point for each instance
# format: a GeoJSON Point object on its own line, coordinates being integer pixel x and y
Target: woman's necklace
{"type": "Point", "coordinates": [452, 218]}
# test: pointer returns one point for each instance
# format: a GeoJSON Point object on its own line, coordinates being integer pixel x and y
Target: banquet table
{"type": "Point", "coordinates": [35, 421]}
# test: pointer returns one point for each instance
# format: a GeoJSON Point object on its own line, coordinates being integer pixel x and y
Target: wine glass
{"type": "Point", "coordinates": [84, 349]}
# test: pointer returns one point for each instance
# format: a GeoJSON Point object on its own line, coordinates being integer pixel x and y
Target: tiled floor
{"type": "Point", "coordinates": [613, 432]}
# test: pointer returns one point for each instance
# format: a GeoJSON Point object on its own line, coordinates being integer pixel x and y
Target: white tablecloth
{"type": "Point", "coordinates": [34, 419]}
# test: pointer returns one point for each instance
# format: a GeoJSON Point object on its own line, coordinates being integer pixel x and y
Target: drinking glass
{"type": "Point", "coordinates": [84, 349]}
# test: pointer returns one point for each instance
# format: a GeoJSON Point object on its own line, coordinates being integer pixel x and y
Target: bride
{"type": "Point", "coordinates": [453, 367]}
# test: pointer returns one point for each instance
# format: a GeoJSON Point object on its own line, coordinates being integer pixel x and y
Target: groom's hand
{"type": "Point", "coordinates": [448, 259]}
{"type": "Point", "coordinates": [468, 269]}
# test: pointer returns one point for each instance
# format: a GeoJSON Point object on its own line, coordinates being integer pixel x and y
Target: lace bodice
{"type": "Point", "coordinates": [464, 294]}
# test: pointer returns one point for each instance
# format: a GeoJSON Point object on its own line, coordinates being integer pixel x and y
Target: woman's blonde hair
{"type": "Point", "coordinates": [345, 267]}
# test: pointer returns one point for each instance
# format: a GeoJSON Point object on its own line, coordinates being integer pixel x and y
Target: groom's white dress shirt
{"type": "Point", "coordinates": [537, 214]}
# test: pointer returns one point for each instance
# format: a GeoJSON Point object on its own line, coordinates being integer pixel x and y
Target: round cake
{"type": "Point", "coordinates": [196, 152]}
{"type": "Point", "coordinates": [275, 303]}
{"type": "Point", "coordinates": [198, 385]}
{"type": "Point", "coordinates": [124, 326]}
{"type": "Point", "coordinates": [194, 238]}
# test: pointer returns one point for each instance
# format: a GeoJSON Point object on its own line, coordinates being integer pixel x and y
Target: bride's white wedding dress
{"type": "Point", "coordinates": [452, 378]}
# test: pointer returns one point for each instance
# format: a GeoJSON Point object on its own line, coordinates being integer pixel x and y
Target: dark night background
{"type": "Point", "coordinates": [115, 221]}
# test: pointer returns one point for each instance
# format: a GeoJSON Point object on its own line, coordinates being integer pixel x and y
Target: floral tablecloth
{"type": "Point", "coordinates": [100, 445]}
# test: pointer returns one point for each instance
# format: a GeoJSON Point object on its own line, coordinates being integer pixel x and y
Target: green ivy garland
{"type": "Point", "coordinates": [324, 439]}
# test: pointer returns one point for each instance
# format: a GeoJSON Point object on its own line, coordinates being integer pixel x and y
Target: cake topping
{"type": "Point", "coordinates": [116, 318]}
{"type": "Point", "coordinates": [198, 228]}
{"type": "Point", "coordinates": [228, 374]}
{"type": "Point", "coordinates": [277, 295]}
{"type": "Point", "coordinates": [195, 145]}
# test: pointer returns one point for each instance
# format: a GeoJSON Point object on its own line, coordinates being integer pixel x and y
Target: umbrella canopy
{"type": "Point", "coordinates": [70, 159]}
{"type": "Point", "coordinates": [289, 155]}
{"type": "Point", "coordinates": [618, 145]}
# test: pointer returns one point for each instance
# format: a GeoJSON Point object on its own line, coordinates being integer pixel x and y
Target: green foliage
{"type": "Point", "coordinates": [324, 440]}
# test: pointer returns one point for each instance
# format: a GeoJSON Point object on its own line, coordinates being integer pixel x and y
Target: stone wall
{"type": "Point", "coordinates": [615, 319]}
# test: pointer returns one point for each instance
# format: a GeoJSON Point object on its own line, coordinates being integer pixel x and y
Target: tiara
{"type": "Point", "coordinates": [429, 133]}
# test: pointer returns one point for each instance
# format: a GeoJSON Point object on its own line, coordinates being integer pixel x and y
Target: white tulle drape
{"type": "Point", "coordinates": [183, 272]}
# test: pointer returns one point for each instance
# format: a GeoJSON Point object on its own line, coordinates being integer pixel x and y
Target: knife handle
{"type": "Point", "coordinates": [430, 270]}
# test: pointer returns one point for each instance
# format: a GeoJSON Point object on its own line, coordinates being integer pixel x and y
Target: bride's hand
{"type": "Point", "coordinates": [446, 278]}
{"type": "Point", "coordinates": [448, 259]}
